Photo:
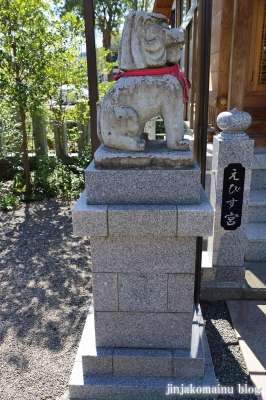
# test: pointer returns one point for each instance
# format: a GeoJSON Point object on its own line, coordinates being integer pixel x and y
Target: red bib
{"type": "Point", "coordinates": [174, 70]}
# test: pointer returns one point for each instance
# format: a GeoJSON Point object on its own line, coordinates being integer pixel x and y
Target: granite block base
{"type": "Point", "coordinates": [142, 186]}
{"type": "Point", "coordinates": [135, 220]}
{"type": "Point", "coordinates": [151, 255]}
{"type": "Point", "coordinates": [115, 373]}
{"type": "Point", "coordinates": [143, 329]}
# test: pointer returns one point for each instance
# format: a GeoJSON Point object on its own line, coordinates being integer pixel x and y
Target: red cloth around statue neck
{"type": "Point", "coordinates": [174, 70]}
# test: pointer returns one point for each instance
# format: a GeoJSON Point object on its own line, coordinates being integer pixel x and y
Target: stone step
{"type": "Point", "coordinates": [132, 388]}
{"type": "Point", "coordinates": [257, 206]}
{"type": "Point", "coordinates": [145, 362]}
{"type": "Point", "coordinates": [256, 242]}
{"type": "Point", "coordinates": [259, 159]}
{"type": "Point", "coordinates": [132, 374]}
{"type": "Point", "coordinates": [258, 177]}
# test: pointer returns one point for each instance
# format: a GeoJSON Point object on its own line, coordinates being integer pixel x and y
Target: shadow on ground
{"type": "Point", "coordinates": [45, 290]}
{"type": "Point", "coordinates": [229, 365]}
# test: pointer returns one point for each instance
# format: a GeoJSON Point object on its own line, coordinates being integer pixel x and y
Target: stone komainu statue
{"type": "Point", "coordinates": [150, 84]}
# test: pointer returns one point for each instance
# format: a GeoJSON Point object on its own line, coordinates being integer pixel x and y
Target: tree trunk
{"type": "Point", "coordinates": [107, 46]}
{"type": "Point", "coordinates": [25, 152]}
{"type": "Point", "coordinates": [60, 130]}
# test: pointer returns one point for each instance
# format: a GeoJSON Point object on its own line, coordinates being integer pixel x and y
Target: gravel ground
{"type": "Point", "coordinates": [229, 365]}
{"type": "Point", "coordinates": [45, 291]}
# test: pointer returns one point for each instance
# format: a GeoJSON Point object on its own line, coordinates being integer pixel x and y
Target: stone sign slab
{"type": "Point", "coordinates": [232, 201]}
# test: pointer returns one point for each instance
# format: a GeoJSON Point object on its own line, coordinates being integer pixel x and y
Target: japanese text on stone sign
{"type": "Point", "coordinates": [232, 200]}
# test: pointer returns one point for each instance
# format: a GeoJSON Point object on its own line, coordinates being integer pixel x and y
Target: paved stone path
{"type": "Point", "coordinates": [249, 321]}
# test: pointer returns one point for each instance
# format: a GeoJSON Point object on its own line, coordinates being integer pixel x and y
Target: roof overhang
{"type": "Point", "coordinates": [163, 7]}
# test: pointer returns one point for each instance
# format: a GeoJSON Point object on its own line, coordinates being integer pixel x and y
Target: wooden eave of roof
{"type": "Point", "coordinates": [163, 7]}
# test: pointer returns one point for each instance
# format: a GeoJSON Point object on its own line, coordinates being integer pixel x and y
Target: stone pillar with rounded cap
{"type": "Point", "coordinates": [232, 163]}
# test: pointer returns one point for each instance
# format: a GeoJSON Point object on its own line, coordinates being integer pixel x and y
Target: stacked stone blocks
{"type": "Point", "coordinates": [143, 225]}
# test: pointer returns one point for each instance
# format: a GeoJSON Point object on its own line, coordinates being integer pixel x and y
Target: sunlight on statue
{"type": "Point", "coordinates": [150, 84]}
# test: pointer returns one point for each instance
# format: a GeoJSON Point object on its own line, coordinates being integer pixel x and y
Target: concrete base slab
{"type": "Point", "coordinates": [156, 155]}
{"type": "Point", "coordinates": [143, 383]}
{"type": "Point", "coordinates": [249, 321]}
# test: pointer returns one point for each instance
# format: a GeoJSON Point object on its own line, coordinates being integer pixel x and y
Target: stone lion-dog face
{"type": "Point", "coordinates": [147, 42]}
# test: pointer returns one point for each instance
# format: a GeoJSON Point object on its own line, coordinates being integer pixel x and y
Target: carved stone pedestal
{"type": "Point", "coordinates": [144, 332]}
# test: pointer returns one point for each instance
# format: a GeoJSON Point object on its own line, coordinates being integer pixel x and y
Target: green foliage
{"type": "Point", "coordinates": [108, 13]}
{"type": "Point", "coordinates": [66, 67]}
{"type": "Point", "coordinates": [145, 5]}
{"type": "Point", "coordinates": [8, 200]}
{"type": "Point", "coordinates": [85, 158]}
{"type": "Point", "coordinates": [38, 54]}
{"type": "Point", "coordinates": [53, 179]}
{"type": "Point", "coordinates": [160, 126]}
{"type": "Point", "coordinates": [50, 178]}
{"type": "Point", "coordinates": [26, 48]}
{"type": "Point", "coordinates": [103, 87]}
{"type": "Point", "coordinates": [10, 130]}
{"type": "Point", "coordinates": [103, 67]}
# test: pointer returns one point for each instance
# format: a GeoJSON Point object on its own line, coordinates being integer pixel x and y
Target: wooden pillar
{"type": "Point", "coordinates": [92, 70]}
{"type": "Point", "coordinates": [239, 53]}
{"type": "Point", "coordinates": [224, 57]}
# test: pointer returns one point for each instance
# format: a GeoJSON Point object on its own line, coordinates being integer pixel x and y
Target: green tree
{"type": "Point", "coordinates": [38, 54]}
{"type": "Point", "coordinates": [67, 72]}
{"type": "Point", "coordinates": [109, 15]}
{"type": "Point", "coordinates": [26, 47]}
{"type": "Point", "coordinates": [144, 5]}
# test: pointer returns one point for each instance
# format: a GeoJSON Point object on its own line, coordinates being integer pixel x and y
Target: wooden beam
{"type": "Point", "coordinates": [239, 53]}
{"type": "Point", "coordinates": [92, 70]}
{"type": "Point", "coordinates": [164, 10]}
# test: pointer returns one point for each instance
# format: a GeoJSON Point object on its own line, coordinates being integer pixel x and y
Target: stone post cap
{"type": "Point", "coordinates": [233, 124]}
